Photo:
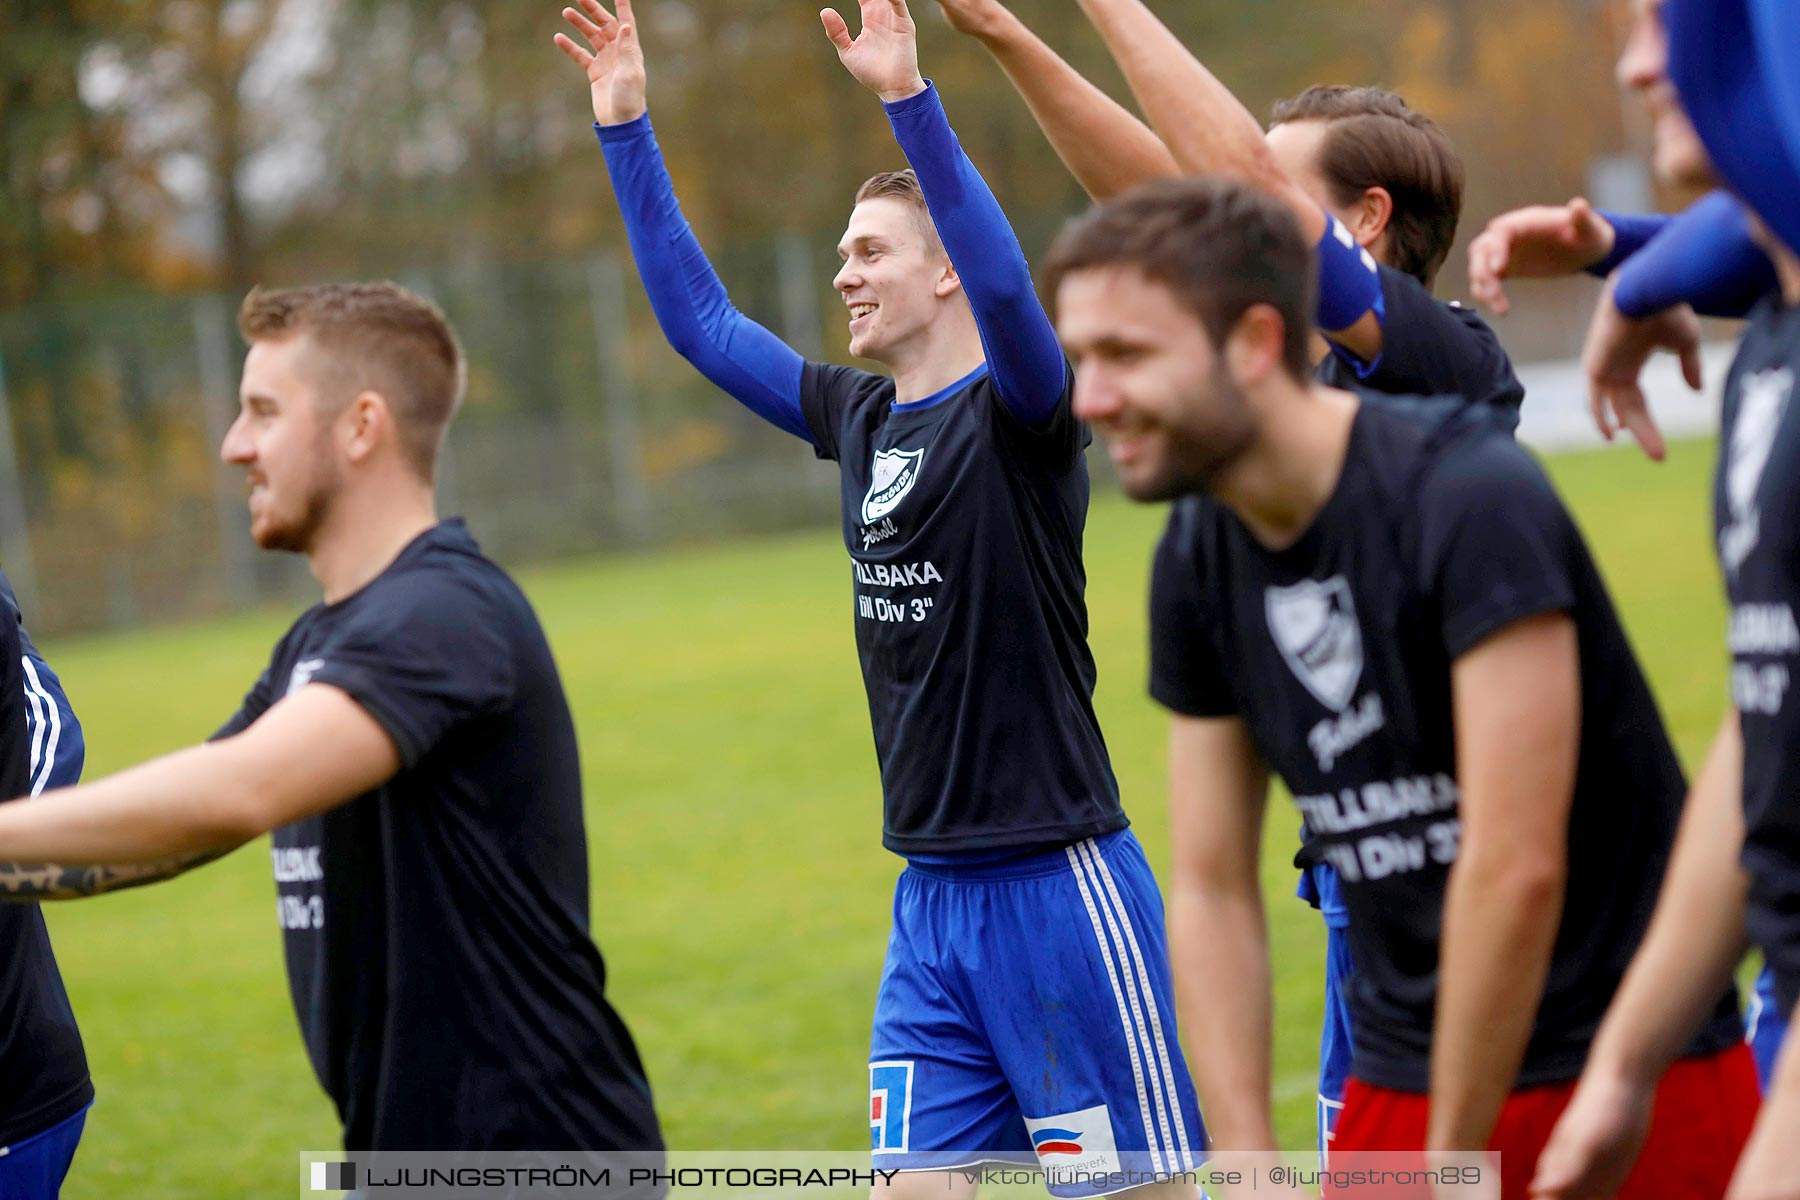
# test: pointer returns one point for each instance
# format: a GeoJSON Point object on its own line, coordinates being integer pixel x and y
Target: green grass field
{"type": "Point", "coordinates": [740, 891]}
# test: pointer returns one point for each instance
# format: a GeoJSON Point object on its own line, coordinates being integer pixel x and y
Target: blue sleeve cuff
{"type": "Point", "coordinates": [914, 105]}
{"type": "Point", "coordinates": [625, 131]}
{"type": "Point", "coordinates": [1630, 233]}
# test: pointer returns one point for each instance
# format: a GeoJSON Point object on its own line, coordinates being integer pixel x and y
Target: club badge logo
{"type": "Point", "coordinates": [1314, 625]}
{"type": "Point", "coordinates": [1762, 404]}
{"type": "Point", "coordinates": [891, 477]}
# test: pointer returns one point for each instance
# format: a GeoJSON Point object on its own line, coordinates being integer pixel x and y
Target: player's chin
{"type": "Point", "coordinates": [1147, 484]}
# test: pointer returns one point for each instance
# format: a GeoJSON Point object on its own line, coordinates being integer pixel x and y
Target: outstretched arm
{"type": "Point", "coordinates": [1210, 132]}
{"type": "Point", "coordinates": [49, 881]}
{"type": "Point", "coordinates": [1023, 353]}
{"type": "Point", "coordinates": [1203, 124]}
{"type": "Point", "coordinates": [309, 753]}
{"type": "Point", "coordinates": [742, 358]}
{"type": "Point", "coordinates": [1107, 148]}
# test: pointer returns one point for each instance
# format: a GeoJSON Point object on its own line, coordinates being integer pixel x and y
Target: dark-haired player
{"type": "Point", "coordinates": [1376, 185]}
{"type": "Point", "coordinates": [411, 750]}
{"type": "Point", "coordinates": [1398, 617]}
{"type": "Point", "coordinates": [964, 495]}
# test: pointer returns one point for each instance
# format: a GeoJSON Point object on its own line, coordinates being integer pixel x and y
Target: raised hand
{"type": "Point", "coordinates": [884, 57]}
{"type": "Point", "coordinates": [974, 18]}
{"type": "Point", "coordinates": [1537, 242]}
{"type": "Point", "coordinates": [1614, 357]}
{"type": "Point", "coordinates": [615, 66]}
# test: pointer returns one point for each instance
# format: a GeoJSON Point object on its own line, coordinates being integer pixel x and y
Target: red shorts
{"type": "Point", "coordinates": [1702, 1117]}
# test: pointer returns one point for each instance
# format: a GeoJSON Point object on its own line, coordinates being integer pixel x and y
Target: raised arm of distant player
{"type": "Point", "coordinates": [742, 358]}
{"type": "Point", "coordinates": [1694, 942]}
{"type": "Point", "coordinates": [1218, 789]}
{"type": "Point", "coordinates": [1104, 145]}
{"type": "Point", "coordinates": [309, 753]}
{"type": "Point", "coordinates": [1209, 131]}
{"type": "Point", "coordinates": [1516, 696]}
{"type": "Point", "coordinates": [1023, 353]}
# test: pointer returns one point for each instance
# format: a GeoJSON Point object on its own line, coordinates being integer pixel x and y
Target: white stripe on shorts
{"type": "Point", "coordinates": [1125, 1015]}
{"type": "Point", "coordinates": [1156, 1027]}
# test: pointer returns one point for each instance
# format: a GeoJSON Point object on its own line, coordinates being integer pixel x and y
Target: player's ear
{"type": "Point", "coordinates": [1371, 215]}
{"type": "Point", "coordinates": [949, 283]}
{"type": "Point", "coordinates": [363, 425]}
{"type": "Point", "coordinates": [1253, 348]}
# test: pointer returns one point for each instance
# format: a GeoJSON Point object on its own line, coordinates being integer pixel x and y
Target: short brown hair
{"type": "Point", "coordinates": [905, 187]}
{"type": "Point", "coordinates": [379, 337]}
{"type": "Point", "coordinates": [1374, 140]}
{"type": "Point", "coordinates": [1221, 246]}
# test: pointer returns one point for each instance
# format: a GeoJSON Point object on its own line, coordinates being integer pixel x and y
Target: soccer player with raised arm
{"type": "Point", "coordinates": [1723, 108]}
{"type": "Point", "coordinates": [411, 751]}
{"type": "Point", "coordinates": [1397, 616]}
{"type": "Point", "coordinates": [964, 496]}
{"type": "Point", "coordinates": [1378, 186]}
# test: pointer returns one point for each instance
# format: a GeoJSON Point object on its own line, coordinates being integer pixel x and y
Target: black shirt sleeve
{"type": "Point", "coordinates": [430, 659]}
{"type": "Point", "coordinates": [1059, 443]}
{"type": "Point", "coordinates": [1430, 348]}
{"type": "Point", "coordinates": [1186, 674]}
{"type": "Point", "coordinates": [256, 703]}
{"type": "Point", "coordinates": [825, 392]}
{"type": "Point", "coordinates": [1497, 545]}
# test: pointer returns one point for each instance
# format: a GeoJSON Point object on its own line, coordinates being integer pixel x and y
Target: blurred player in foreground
{"type": "Point", "coordinates": [1397, 616]}
{"type": "Point", "coordinates": [1736, 873]}
{"type": "Point", "coordinates": [410, 748]}
{"type": "Point", "coordinates": [964, 494]}
{"type": "Point", "coordinates": [42, 1113]}
{"type": "Point", "coordinates": [1378, 186]}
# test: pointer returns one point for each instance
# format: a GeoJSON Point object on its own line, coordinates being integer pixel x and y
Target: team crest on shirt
{"type": "Point", "coordinates": [1314, 625]}
{"type": "Point", "coordinates": [891, 477]}
{"type": "Point", "coordinates": [1762, 404]}
{"type": "Point", "coordinates": [304, 670]}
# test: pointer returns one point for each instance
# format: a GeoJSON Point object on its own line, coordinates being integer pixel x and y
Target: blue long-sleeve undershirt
{"type": "Point", "coordinates": [742, 358]}
{"type": "Point", "coordinates": [1024, 356]}
{"type": "Point", "coordinates": [761, 371]}
{"type": "Point", "coordinates": [1732, 63]}
{"type": "Point", "coordinates": [1631, 233]}
{"type": "Point", "coordinates": [1705, 257]}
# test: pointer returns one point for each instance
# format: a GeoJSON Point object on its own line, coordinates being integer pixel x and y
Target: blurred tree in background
{"type": "Point", "coordinates": [157, 157]}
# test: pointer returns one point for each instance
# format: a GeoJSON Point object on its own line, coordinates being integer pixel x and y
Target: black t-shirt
{"type": "Point", "coordinates": [1428, 349]}
{"type": "Point", "coordinates": [43, 1069]}
{"type": "Point", "coordinates": [1337, 654]}
{"type": "Point", "coordinates": [1756, 516]}
{"type": "Point", "coordinates": [436, 929]}
{"type": "Point", "coordinates": [964, 528]}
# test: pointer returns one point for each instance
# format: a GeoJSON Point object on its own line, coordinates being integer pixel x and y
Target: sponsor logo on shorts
{"type": "Point", "coordinates": [890, 1106]}
{"type": "Point", "coordinates": [1078, 1141]}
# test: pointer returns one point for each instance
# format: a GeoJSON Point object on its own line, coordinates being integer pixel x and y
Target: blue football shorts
{"type": "Point", "coordinates": [1026, 1015]}
{"type": "Point", "coordinates": [1334, 1035]}
{"type": "Point", "coordinates": [1765, 1025]}
{"type": "Point", "coordinates": [35, 1168]}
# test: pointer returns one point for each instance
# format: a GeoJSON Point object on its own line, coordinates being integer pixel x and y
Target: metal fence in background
{"type": "Point", "coordinates": [582, 431]}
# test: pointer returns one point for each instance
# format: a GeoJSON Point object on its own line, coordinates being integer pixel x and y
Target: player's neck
{"type": "Point", "coordinates": [364, 534]}
{"type": "Point", "coordinates": [1279, 485]}
{"type": "Point", "coordinates": [944, 352]}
